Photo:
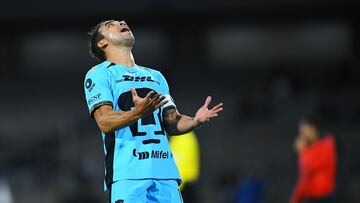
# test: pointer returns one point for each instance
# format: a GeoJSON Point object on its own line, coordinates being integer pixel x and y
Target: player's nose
{"type": "Point", "coordinates": [123, 22]}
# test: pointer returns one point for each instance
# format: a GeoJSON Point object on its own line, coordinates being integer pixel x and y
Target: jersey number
{"type": "Point", "coordinates": [125, 103]}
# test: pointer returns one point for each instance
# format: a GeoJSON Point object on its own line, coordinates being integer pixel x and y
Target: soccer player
{"type": "Point", "coordinates": [132, 107]}
{"type": "Point", "coordinates": [317, 164]}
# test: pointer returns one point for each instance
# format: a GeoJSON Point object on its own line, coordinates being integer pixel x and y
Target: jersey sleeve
{"type": "Point", "coordinates": [299, 191]}
{"type": "Point", "coordinates": [166, 91]}
{"type": "Point", "coordinates": [97, 90]}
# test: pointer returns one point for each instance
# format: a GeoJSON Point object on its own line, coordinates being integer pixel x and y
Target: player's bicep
{"type": "Point", "coordinates": [171, 116]}
{"type": "Point", "coordinates": [97, 90]}
{"type": "Point", "coordinates": [101, 112]}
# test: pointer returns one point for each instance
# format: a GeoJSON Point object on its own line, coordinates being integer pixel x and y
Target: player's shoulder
{"type": "Point", "coordinates": [100, 68]}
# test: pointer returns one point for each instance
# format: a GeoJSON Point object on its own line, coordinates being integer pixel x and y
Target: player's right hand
{"type": "Point", "coordinates": [148, 104]}
{"type": "Point", "coordinates": [299, 144]}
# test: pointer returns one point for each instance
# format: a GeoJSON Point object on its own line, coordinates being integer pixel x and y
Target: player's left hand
{"type": "Point", "coordinates": [204, 114]}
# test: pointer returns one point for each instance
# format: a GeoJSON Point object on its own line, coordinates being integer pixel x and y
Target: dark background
{"type": "Point", "coordinates": [270, 62]}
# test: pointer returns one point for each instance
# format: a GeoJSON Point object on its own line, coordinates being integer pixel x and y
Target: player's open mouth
{"type": "Point", "coordinates": [124, 29]}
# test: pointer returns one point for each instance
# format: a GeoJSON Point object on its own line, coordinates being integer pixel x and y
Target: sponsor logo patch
{"type": "Point", "coordinates": [136, 79]}
{"type": "Point", "coordinates": [89, 85]}
{"type": "Point", "coordinates": [94, 98]}
{"type": "Point", "coordinates": [154, 154]}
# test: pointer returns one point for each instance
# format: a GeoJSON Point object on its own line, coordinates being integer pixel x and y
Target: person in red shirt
{"type": "Point", "coordinates": [317, 164]}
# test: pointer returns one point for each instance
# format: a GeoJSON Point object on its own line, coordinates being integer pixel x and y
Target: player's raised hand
{"type": "Point", "coordinates": [149, 103]}
{"type": "Point", "coordinates": [204, 114]}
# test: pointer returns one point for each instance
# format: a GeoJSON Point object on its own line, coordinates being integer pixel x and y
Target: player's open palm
{"type": "Point", "coordinates": [204, 114]}
{"type": "Point", "coordinates": [148, 104]}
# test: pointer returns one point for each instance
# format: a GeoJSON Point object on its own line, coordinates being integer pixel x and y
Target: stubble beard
{"type": "Point", "coordinates": [126, 41]}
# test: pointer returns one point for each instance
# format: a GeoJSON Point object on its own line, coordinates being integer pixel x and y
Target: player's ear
{"type": "Point", "coordinates": [102, 44]}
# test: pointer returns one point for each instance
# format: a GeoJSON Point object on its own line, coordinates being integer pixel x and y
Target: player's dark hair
{"type": "Point", "coordinates": [95, 36]}
{"type": "Point", "coordinates": [312, 120]}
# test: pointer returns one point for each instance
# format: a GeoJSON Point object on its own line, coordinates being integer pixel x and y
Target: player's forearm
{"type": "Point", "coordinates": [186, 124]}
{"type": "Point", "coordinates": [182, 125]}
{"type": "Point", "coordinates": [111, 121]}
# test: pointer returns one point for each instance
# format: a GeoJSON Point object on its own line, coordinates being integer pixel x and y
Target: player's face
{"type": "Point", "coordinates": [117, 33]}
{"type": "Point", "coordinates": [308, 132]}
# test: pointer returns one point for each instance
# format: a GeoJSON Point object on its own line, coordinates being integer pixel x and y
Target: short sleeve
{"type": "Point", "coordinates": [97, 89]}
{"type": "Point", "coordinates": [166, 91]}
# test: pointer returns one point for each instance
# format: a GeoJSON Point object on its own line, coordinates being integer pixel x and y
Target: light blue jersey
{"type": "Point", "coordinates": [140, 150]}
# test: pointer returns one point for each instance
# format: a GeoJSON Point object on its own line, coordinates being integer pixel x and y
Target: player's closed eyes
{"type": "Point", "coordinates": [108, 24]}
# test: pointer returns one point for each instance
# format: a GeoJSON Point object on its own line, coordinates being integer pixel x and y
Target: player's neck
{"type": "Point", "coordinates": [122, 56]}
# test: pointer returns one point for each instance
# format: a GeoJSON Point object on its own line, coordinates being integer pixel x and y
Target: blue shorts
{"type": "Point", "coordinates": [145, 191]}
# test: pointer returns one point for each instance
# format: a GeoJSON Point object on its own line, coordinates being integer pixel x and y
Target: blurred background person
{"type": "Point", "coordinates": [317, 164]}
{"type": "Point", "coordinates": [5, 192]}
{"type": "Point", "coordinates": [243, 185]}
{"type": "Point", "coordinates": [186, 151]}
{"type": "Point", "coordinates": [251, 185]}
